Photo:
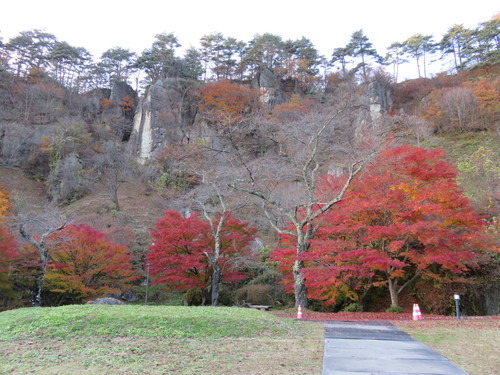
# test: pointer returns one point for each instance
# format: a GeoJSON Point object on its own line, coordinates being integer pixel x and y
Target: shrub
{"type": "Point", "coordinates": [354, 307]}
{"type": "Point", "coordinates": [395, 309]}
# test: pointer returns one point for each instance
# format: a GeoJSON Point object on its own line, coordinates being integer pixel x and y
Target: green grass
{"type": "Point", "coordinates": [156, 340]}
{"type": "Point", "coordinates": [141, 321]}
{"type": "Point", "coordinates": [462, 144]}
{"type": "Point", "coordinates": [470, 344]}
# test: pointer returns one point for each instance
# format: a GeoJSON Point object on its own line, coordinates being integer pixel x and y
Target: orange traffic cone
{"type": "Point", "coordinates": [417, 315]}
{"type": "Point", "coordinates": [299, 313]}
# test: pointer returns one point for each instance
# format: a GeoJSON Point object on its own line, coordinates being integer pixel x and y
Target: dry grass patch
{"type": "Point", "coordinates": [470, 344]}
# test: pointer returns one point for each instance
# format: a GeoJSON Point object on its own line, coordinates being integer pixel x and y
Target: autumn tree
{"type": "Point", "coordinates": [184, 252]}
{"type": "Point", "coordinates": [300, 64]}
{"type": "Point", "coordinates": [84, 264]}
{"type": "Point", "coordinates": [8, 244]}
{"type": "Point", "coordinates": [284, 180]}
{"type": "Point", "coordinates": [405, 218]}
{"type": "Point", "coordinates": [42, 226]}
{"type": "Point", "coordinates": [226, 104]}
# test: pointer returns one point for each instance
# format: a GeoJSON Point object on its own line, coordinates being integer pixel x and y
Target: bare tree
{"type": "Point", "coordinates": [112, 165]}
{"type": "Point", "coordinates": [285, 181]}
{"type": "Point", "coordinates": [40, 226]}
{"type": "Point", "coordinates": [218, 203]}
{"type": "Point", "coordinates": [216, 232]}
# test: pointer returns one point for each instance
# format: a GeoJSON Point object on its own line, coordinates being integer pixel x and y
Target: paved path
{"type": "Point", "coordinates": [379, 348]}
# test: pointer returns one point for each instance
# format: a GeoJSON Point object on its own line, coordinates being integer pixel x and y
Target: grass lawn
{"type": "Point", "coordinates": [156, 340]}
{"type": "Point", "coordinates": [473, 345]}
{"type": "Point", "coordinates": [204, 340]}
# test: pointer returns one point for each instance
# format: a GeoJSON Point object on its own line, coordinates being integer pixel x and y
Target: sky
{"type": "Point", "coordinates": [98, 25]}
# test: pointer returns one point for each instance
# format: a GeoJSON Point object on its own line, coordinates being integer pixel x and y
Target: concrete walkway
{"type": "Point", "coordinates": [379, 348]}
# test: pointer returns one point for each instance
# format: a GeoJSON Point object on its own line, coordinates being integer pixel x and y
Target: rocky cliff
{"type": "Point", "coordinates": [165, 115]}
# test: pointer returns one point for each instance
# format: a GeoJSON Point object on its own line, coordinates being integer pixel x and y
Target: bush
{"type": "Point", "coordinates": [395, 309]}
{"type": "Point", "coordinates": [255, 294]}
{"type": "Point", "coordinates": [354, 307]}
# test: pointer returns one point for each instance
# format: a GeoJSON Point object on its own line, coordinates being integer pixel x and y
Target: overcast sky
{"type": "Point", "coordinates": [99, 25]}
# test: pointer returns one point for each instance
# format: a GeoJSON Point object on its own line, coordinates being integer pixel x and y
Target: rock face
{"type": "Point", "coordinates": [120, 114]}
{"type": "Point", "coordinates": [380, 98]}
{"type": "Point", "coordinates": [164, 115]}
{"type": "Point", "coordinates": [270, 86]}
{"type": "Point", "coordinates": [65, 182]}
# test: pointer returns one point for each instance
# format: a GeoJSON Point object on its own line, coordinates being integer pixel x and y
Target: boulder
{"type": "Point", "coordinates": [106, 301]}
{"type": "Point", "coordinates": [130, 296]}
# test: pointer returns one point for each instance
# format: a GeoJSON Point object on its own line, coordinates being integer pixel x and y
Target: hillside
{"type": "Point", "coordinates": [258, 149]}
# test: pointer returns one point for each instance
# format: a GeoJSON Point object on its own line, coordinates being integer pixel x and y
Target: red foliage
{"type": "Point", "coordinates": [404, 217]}
{"type": "Point", "coordinates": [8, 244]}
{"type": "Point", "coordinates": [178, 255]}
{"type": "Point", "coordinates": [412, 90]}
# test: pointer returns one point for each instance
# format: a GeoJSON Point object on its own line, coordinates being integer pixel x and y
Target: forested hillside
{"type": "Point", "coordinates": [254, 171]}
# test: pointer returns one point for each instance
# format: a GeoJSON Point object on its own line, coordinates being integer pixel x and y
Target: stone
{"type": "Point", "coordinates": [106, 301]}
{"type": "Point", "coordinates": [130, 296]}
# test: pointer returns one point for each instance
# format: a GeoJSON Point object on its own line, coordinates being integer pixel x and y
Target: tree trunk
{"type": "Point", "coordinates": [113, 189]}
{"type": "Point", "coordinates": [299, 285]}
{"type": "Point", "coordinates": [393, 292]}
{"type": "Point", "coordinates": [299, 282]}
{"type": "Point", "coordinates": [204, 296]}
{"type": "Point", "coordinates": [36, 298]}
{"type": "Point", "coordinates": [216, 279]}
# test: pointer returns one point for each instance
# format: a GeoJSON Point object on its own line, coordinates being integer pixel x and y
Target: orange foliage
{"type": "Point", "coordinates": [227, 104]}
{"type": "Point", "coordinates": [106, 103]}
{"type": "Point", "coordinates": [127, 104]}
{"type": "Point", "coordinates": [86, 264]}
{"type": "Point", "coordinates": [5, 206]}
{"type": "Point", "coordinates": [293, 109]}
{"type": "Point", "coordinates": [487, 92]}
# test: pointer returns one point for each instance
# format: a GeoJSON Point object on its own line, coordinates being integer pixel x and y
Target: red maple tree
{"type": "Point", "coordinates": [403, 219]}
{"type": "Point", "coordinates": [8, 244]}
{"type": "Point", "coordinates": [183, 246]}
